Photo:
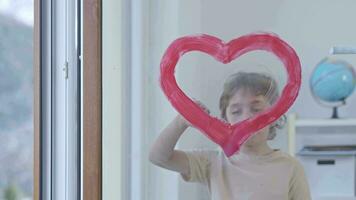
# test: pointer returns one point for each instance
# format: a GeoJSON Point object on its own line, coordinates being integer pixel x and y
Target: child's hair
{"type": "Point", "coordinates": [257, 84]}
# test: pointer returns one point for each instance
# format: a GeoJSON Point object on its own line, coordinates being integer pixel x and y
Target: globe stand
{"type": "Point", "coordinates": [335, 113]}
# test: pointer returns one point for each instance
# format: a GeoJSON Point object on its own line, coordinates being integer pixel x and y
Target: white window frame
{"type": "Point", "coordinates": [60, 105]}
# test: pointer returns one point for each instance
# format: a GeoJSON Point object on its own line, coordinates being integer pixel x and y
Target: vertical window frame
{"type": "Point", "coordinates": [57, 165]}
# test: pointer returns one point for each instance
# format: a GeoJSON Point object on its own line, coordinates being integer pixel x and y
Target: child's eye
{"type": "Point", "coordinates": [237, 112]}
{"type": "Point", "coordinates": [256, 110]}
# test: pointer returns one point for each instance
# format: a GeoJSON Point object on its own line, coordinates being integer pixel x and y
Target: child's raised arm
{"type": "Point", "coordinates": [162, 152]}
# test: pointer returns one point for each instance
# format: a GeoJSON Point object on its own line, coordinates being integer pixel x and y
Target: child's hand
{"type": "Point", "coordinates": [184, 122]}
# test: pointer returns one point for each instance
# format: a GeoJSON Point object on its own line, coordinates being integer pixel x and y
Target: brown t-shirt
{"type": "Point", "coordinates": [276, 176]}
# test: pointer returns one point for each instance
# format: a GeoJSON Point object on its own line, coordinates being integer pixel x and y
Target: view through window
{"type": "Point", "coordinates": [16, 99]}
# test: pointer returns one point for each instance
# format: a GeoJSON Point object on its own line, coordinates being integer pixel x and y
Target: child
{"type": "Point", "coordinates": [256, 172]}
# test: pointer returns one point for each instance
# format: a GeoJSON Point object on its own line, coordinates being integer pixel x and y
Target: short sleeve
{"type": "Point", "coordinates": [298, 186]}
{"type": "Point", "coordinates": [199, 165]}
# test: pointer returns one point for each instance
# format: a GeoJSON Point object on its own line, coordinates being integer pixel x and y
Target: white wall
{"type": "Point", "coordinates": [161, 30]}
{"type": "Point", "coordinates": [112, 100]}
{"type": "Point", "coordinates": [311, 27]}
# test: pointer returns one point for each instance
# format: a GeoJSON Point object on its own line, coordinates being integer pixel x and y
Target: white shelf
{"type": "Point", "coordinates": [325, 122]}
{"type": "Point", "coordinates": [294, 123]}
{"type": "Point", "coordinates": [334, 198]}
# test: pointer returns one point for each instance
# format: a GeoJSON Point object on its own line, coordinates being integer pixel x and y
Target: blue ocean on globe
{"type": "Point", "coordinates": [333, 81]}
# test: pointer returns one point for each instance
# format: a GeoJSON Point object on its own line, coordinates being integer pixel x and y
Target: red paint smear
{"type": "Point", "coordinates": [229, 137]}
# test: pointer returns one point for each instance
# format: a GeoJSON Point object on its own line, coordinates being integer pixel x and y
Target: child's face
{"type": "Point", "coordinates": [243, 105]}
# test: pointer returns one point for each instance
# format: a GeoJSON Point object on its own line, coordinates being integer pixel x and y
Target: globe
{"type": "Point", "coordinates": [331, 82]}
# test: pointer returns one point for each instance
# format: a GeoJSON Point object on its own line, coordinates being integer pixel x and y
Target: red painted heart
{"type": "Point", "coordinates": [229, 137]}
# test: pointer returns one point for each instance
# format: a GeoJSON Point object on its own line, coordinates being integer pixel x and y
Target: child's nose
{"type": "Point", "coordinates": [247, 114]}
